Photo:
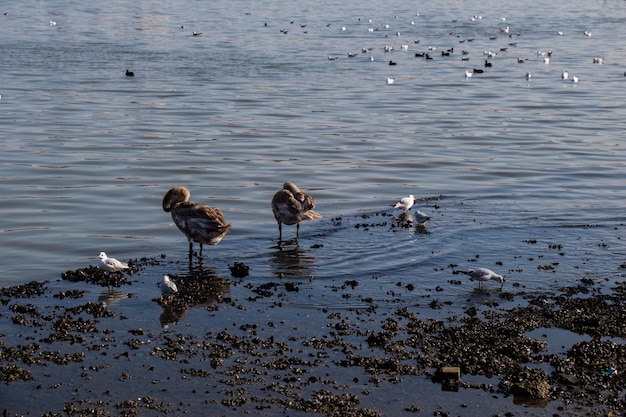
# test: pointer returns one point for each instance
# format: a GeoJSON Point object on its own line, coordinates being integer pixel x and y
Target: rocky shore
{"type": "Point", "coordinates": [228, 347]}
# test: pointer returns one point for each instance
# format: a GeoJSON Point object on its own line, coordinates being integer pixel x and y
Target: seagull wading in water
{"type": "Point", "coordinates": [291, 206]}
{"type": "Point", "coordinates": [483, 275]}
{"type": "Point", "coordinates": [199, 222]}
{"type": "Point", "coordinates": [405, 203]}
{"type": "Point", "coordinates": [110, 264]}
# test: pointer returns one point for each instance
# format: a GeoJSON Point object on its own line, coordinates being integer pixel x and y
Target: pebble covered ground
{"type": "Point", "coordinates": [81, 346]}
{"type": "Point", "coordinates": [81, 357]}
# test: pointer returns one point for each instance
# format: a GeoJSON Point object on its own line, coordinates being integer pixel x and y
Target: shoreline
{"type": "Point", "coordinates": [221, 352]}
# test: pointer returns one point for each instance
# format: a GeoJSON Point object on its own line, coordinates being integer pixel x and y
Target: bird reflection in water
{"type": "Point", "coordinates": [109, 297]}
{"type": "Point", "coordinates": [292, 262]}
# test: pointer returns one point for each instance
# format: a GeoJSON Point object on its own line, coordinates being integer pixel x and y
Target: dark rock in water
{"type": "Point", "coordinates": [95, 275]}
{"type": "Point", "coordinates": [31, 289]}
{"type": "Point", "coordinates": [530, 383]}
{"type": "Point", "coordinates": [239, 270]}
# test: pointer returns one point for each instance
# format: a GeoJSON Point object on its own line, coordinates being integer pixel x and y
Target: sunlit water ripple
{"type": "Point", "coordinates": [496, 160]}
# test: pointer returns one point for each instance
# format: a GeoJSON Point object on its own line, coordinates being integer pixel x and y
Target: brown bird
{"type": "Point", "coordinates": [291, 206]}
{"type": "Point", "coordinates": [199, 222]}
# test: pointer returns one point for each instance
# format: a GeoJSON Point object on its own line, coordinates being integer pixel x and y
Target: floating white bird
{"type": "Point", "coordinates": [598, 60]}
{"type": "Point", "coordinates": [574, 78]}
{"type": "Point", "coordinates": [390, 80]}
{"type": "Point", "coordinates": [528, 76]}
{"type": "Point", "coordinates": [546, 60]}
{"type": "Point", "coordinates": [468, 74]}
{"type": "Point", "coordinates": [291, 206]}
{"type": "Point", "coordinates": [483, 275]}
{"type": "Point", "coordinates": [199, 222]}
{"type": "Point", "coordinates": [110, 264]}
{"type": "Point", "coordinates": [405, 203]}
{"type": "Point", "coordinates": [587, 33]}
{"type": "Point", "coordinates": [168, 287]}
{"type": "Point", "coordinates": [565, 75]}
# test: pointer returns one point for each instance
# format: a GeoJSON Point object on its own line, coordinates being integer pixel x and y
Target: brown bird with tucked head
{"type": "Point", "coordinates": [291, 206]}
{"type": "Point", "coordinates": [199, 222]}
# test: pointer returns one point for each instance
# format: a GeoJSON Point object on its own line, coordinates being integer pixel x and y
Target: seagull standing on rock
{"type": "Point", "coordinates": [405, 203]}
{"type": "Point", "coordinates": [110, 264]}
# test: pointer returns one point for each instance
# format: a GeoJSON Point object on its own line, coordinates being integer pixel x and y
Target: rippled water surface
{"type": "Point", "coordinates": [525, 176]}
{"type": "Point", "coordinates": [497, 160]}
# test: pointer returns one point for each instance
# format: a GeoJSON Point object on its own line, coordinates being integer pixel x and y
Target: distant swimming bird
{"type": "Point", "coordinates": [587, 33]}
{"type": "Point", "coordinates": [483, 275]}
{"type": "Point", "coordinates": [546, 60]}
{"type": "Point", "coordinates": [291, 206]}
{"type": "Point", "coordinates": [392, 63]}
{"type": "Point", "coordinates": [199, 222]}
{"type": "Point", "coordinates": [478, 71]}
{"type": "Point", "coordinates": [528, 75]}
{"type": "Point", "coordinates": [488, 64]}
{"type": "Point", "coordinates": [560, 33]}
{"type": "Point", "coordinates": [598, 60]}
{"type": "Point", "coordinates": [390, 80]}
{"type": "Point", "coordinates": [468, 74]}
{"type": "Point", "coordinates": [405, 203]}
{"type": "Point", "coordinates": [565, 75]}
{"type": "Point", "coordinates": [332, 58]}
{"type": "Point", "coordinates": [130, 73]}
{"type": "Point", "coordinates": [575, 78]}
{"type": "Point", "coordinates": [110, 264]}
{"type": "Point", "coordinates": [521, 60]}
{"type": "Point", "coordinates": [168, 287]}
{"type": "Point", "coordinates": [197, 33]}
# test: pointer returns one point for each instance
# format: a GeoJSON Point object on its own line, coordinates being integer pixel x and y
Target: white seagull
{"type": "Point", "coordinates": [168, 287]}
{"type": "Point", "coordinates": [575, 78]}
{"type": "Point", "coordinates": [565, 75]}
{"type": "Point", "coordinates": [110, 264]}
{"type": "Point", "coordinates": [482, 275]}
{"type": "Point", "coordinates": [405, 203]}
{"type": "Point", "coordinates": [390, 80]}
{"type": "Point", "coordinates": [468, 74]}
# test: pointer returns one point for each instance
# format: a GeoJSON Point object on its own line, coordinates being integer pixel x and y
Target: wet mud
{"type": "Point", "coordinates": [228, 345]}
